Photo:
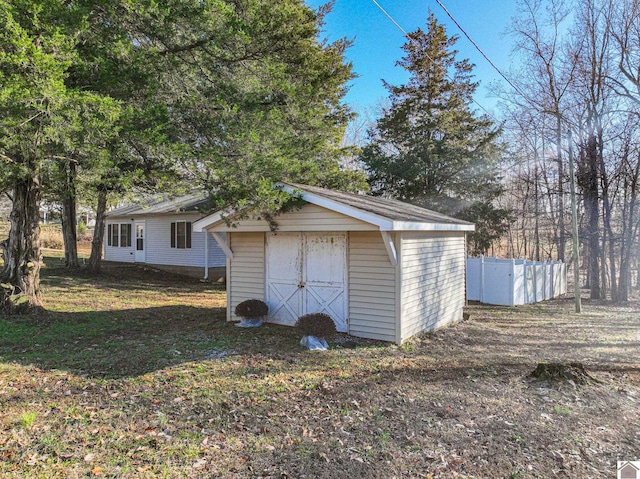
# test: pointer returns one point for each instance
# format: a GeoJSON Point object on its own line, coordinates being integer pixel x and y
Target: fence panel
{"type": "Point", "coordinates": [510, 282]}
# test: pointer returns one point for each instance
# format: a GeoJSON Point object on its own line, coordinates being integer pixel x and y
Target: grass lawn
{"type": "Point", "coordinates": [136, 374]}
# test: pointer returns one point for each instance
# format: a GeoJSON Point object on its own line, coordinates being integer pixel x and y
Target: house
{"type": "Point", "coordinates": [382, 269]}
{"type": "Point", "coordinates": [158, 233]}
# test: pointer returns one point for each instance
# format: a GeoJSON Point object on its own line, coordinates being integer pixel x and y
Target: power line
{"type": "Point", "coordinates": [427, 55]}
{"type": "Point", "coordinates": [493, 65]}
{"type": "Point", "coordinates": [392, 20]}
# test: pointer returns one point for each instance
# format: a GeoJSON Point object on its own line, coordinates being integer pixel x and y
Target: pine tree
{"type": "Point", "coordinates": [429, 147]}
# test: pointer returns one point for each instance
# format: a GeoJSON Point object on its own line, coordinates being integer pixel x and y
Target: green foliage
{"type": "Point", "coordinates": [42, 119]}
{"type": "Point", "coordinates": [273, 108]}
{"type": "Point", "coordinates": [252, 308]}
{"type": "Point", "coordinates": [320, 325]}
{"type": "Point", "coordinates": [492, 223]}
{"type": "Point", "coordinates": [429, 147]}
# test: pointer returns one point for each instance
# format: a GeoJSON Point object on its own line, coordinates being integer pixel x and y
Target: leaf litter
{"type": "Point", "coordinates": [234, 404]}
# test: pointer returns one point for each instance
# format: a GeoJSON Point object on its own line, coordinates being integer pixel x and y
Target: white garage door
{"type": "Point", "coordinates": [306, 273]}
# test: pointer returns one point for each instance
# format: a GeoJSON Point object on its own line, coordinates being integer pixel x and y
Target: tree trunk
{"type": "Point", "coordinates": [626, 247]}
{"type": "Point", "coordinates": [95, 260]}
{"type": "Point", "coordinates": [632, 175]}
{"type": "Point", "coordinates": [69, 218]}
{"type": "Point", "coordinates": [4, 252]}
{"type": "Point", "coordinates": [562, 238]}
{"type": "Point", "coordinates": [611, 246]}
{"type": "Point", "coordinates": [22, 254]}
{"type": "Point", "coordinates": [589, 183]}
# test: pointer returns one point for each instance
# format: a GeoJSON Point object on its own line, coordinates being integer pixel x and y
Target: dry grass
{"type": "Point", "coordinates": [51, 236]}
{"type": "Point", "coordinates": [133, 374]}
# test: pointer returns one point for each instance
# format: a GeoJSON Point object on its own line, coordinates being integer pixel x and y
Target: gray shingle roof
{"type": "Point", "coordinates": [162, 205]}
{"type": "Point", "coordinates": [387, 208]}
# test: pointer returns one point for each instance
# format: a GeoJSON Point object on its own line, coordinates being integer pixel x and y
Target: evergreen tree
{"type": "Point", "coordinates": [41, 120]}
{"type": "Point", "coordinates": [234, 95]}
{"type": "Point", "coordinates": [429, 147]}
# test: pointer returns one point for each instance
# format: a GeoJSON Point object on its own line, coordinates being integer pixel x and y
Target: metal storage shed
{"type": "Point", "coordinates": [382, 269]}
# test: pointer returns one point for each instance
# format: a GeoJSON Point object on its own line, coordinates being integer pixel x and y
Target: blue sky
{"type": "Point", "coordinates": [377, 41]}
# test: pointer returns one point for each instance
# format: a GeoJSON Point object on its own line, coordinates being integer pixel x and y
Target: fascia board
{"type": "Point", "coordinates": [415, 226]}
{"type": "Point", "coordinates": [204, 223]}
{"type": "Point", "coordinates": [379, 221]}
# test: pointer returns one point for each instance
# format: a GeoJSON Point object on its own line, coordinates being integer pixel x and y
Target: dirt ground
{"type": "Point", "coordinates": [489, 419]}
{"type": "Point", "coordinates": [192, 396]}
{"type": "Point", "coordinates": [460, 402]}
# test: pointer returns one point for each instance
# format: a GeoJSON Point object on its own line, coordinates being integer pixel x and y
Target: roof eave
{"type": "Point", "coordinates": [419, 226]}
{"type": "Point", "coordinates": [207, 221]}
{"type": "Point", "coordinates": [151, 213]}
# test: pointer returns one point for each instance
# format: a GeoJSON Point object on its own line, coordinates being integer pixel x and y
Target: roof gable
{"type": "Point", "coordinates": [384, 214]}
{"type": "Point", "coordinates": [379, 210]}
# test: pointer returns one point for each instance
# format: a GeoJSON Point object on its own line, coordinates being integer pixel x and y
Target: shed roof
{"type": "Point", "coordinates": [387, 208]}
{"type": "Point", "coordinates": [387, 214]}
{"type": "Point", "coordinates": [163, 205]}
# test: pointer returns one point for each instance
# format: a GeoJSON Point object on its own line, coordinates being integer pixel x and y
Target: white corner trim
{"type": "Point", "coordinates": [390, 247]}
{"type": "Point", "coordinates": [223, 245]}
{"type": "Point", "coordinates": [206, 255]}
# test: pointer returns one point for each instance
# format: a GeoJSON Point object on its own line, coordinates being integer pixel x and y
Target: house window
{"type": "Point", "coordinates": [125, 235]}
{"type": "Point", "coordinates": [112, 235]}
{"type": "Point", "coordinates": [181, 234]}
{"type": "Point", "coordinates": [119, 235]}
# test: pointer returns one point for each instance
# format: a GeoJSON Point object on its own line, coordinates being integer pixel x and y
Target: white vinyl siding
{"type": "Point", "coordinates": [159, 250]}
{"type": "Point", "coordinates": [308, 218]}
{"type": "Point", "coordinates": [158, 245]}
{"type": "Point", "coordinates": [372, 288]}
{"type": "Point", "coordinates": [122, 254]}
{"type": "Point", "coordinates": [433, 280]}
{"type": "Point", "coordinates": [246, 270]}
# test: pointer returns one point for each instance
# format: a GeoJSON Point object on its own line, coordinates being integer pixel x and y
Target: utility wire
{"type": "Point", "coordinates": [392, 20]}
{"type": "Point", "coordinates": [493, 65]}
{"type": "Point", "coordinates": [427, 55]}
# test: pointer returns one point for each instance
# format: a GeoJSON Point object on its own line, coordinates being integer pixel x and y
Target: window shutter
{"type": "Point", "coordinates": [109, 227]}
{"type": "Point", "coordinates": [173, 235]}
{"type": "Point", "coordinates": [188, 232]}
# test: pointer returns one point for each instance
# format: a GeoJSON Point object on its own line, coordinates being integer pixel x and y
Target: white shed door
{"type": "Point", "coordinates": [306, 273]}
{"type": "Point", "coordinates": [283, 274]}
{"type": "Point", "coordinates": [324, 276]}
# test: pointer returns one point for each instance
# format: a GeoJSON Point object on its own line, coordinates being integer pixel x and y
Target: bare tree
{"type": "Point", "coordinates": [549, 74]}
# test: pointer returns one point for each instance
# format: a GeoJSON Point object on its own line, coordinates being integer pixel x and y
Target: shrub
{"type": "Point", "coordinates": [252, 308]}
{"type": "Point", "coordinates": [320, 325]}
